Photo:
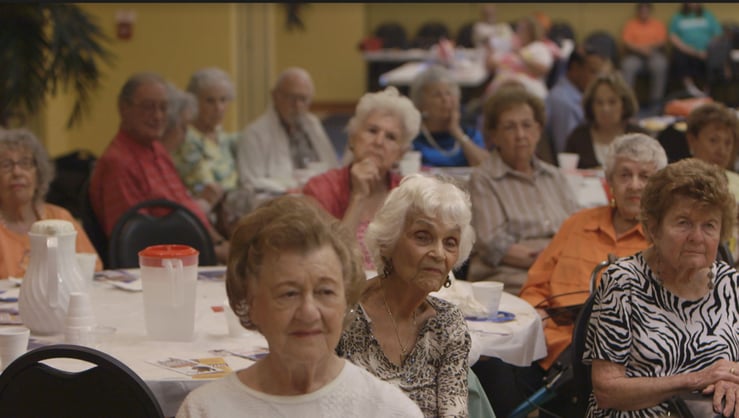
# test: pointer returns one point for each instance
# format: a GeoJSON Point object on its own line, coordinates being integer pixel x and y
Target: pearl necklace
{"type": "Point", "coordinates": [403, 348]}
{"type": "Point", "coordinates": [430, 139]}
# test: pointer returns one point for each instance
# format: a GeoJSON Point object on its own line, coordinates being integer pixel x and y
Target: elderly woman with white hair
{"type": "Point", "coordinates": [443, 141]}
{"type": "Point", "coordinates": [401, 333]}
{"type": "Point", "coordinates": [380, 132]}
{"type": "Point", "coordinates": [205, 161]}
{"type": "Point", "coordinates": [182, 106]}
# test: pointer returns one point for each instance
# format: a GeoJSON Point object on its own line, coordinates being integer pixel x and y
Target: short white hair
{"type": "Point", "coordinates": [207, 77]}
{"type": "Point", "coordinates": [388, 101]}
{"type": "Point", "coordinates": [179, 101]}
{"type": "Point", "coordinates": [432, 75]}
{"type": "Point", "coordinates": [637, 147]}
{"type": "Point", "coordinates": [420, 194]}
{"type": "Point", "coordinates": [294, 72]}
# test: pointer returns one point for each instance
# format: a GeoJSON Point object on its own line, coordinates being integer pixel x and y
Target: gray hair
{"type": "Point", "coordinates": [207, 77]}
{"type": "Point", "coordinates": [420, 194]}
{"type": "Point", "coordinates": [432, 75]}
{"type": "Point", "coordinates": [388, 101]}
{"type": "Point", "coordinates": [293, 72]}
{"type": "Point", "coordinates": [178, 101]}
{"type": "Point", "coordinates": [133, 83]}
{"type": "Point", "coordinates": [637, 147]}
{"type": "Point", "coordinates": [24, 140]}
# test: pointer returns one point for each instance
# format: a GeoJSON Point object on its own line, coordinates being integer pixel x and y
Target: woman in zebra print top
{"type": "Point", "coordinates": [666, 320]}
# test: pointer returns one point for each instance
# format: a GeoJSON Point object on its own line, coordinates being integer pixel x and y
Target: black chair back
{"type": "Point", "coordinates": [464, 36]}
{"type": "Point", "coordinates": [560, 31]}
{"type": "Point", "coordinates": [605, 44]}
{"type": "Point", "coordinates": [90, 223]}
{"type": "Point", "coordinates": [29, 388]}
{"type": "Point", "coordinates": [393, 35]}
{"type": "Point", "coordinates": [72, 170]}
{"type": "Point", "coordinates": [580, 370]}
{"type": "Point", "coordinates": [429, 34]}
{"type": "Point", "coordinates": [674, 142]}
{"type": "Point", "coordinates": [135, 231]}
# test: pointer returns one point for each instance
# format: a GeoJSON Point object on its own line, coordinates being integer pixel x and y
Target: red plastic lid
{"type": "Point", "coordinates": [152, 256]}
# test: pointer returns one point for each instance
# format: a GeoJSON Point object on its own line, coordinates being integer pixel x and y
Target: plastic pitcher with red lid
{"type": "Point", "coordinates": [169, 276]}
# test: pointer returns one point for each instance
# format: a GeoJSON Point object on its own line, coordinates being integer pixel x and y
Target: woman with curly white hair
{"type": "Point", "coordinates": [400, 333]}
{"type": "Point", "coordinates": [380, 132]}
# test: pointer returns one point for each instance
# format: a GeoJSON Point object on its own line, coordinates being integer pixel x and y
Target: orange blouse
{"type": "Point", "coordinates": [584, 240]}
{"type": "Point", "coordinates": [15, 249]}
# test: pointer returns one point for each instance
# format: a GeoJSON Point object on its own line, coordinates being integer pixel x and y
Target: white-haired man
{"type": "Point", "coordinates": [285, 137]}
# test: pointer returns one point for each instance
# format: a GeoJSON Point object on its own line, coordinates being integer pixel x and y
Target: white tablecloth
{"type": "Point", "coordinates": [466, 72]}
{"type": "Point", "coordinates": [124, 310]}
{"type": "Point", "coordinates": [588, 187]}
{"type": "Point", "coordinates": [414, 54]}
{"type": "Point", "coordinates": [518, 342]}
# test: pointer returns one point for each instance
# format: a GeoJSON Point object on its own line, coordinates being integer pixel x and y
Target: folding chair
{"type": "Point", "coordinates": [30, 388]}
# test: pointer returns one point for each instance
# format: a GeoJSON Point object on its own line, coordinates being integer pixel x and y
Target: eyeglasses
{"type": "Point", "coordinates": [7, 166]}
{"type": "Point", "coordinates": [295, 98]}
{"type": "Point", "coordinates": [151, 107]}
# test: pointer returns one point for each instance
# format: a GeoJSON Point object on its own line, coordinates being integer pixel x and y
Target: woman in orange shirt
{"type": "Point", "coordinates": [560, 276]}
{"type": "Point", "coordinates": [25, 174]}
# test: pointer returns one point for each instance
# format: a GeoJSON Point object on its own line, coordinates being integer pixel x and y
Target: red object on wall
{"type": "Point", "coordinates": [124, 30]}
{"type": "Point", "coordinates": [370, 44]}
{"type": "Point", "coordinates": [124, 20]}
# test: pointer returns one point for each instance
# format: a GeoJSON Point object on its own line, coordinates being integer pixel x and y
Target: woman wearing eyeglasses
{"type": "Point", "coordinates": [518, 201]}
{"type": "Point", "coordinates": [25, 175]}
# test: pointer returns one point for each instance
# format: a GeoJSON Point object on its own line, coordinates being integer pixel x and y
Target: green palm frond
{"type": "Point", "coordinates": [43, 47]}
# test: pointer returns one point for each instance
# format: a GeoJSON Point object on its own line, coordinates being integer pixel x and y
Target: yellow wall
{"type": "Point", "coordinates": [177, 39]}
{"type": "Point", "coordinates": [327, 48]}
{"type": "Point", "coordinates": [173, 40]}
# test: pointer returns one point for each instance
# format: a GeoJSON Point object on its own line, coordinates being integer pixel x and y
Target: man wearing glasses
{"type": "Point", "coordinates": [135, 166]}
{"type": "Point", "coordinates": [285, 138]}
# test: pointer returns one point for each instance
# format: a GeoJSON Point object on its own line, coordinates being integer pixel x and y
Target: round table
{"type": "Point", "coordinates": [518, 342]}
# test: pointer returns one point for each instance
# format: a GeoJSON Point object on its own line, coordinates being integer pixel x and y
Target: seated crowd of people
{"type": "Point", "coordinates": [298, 229]}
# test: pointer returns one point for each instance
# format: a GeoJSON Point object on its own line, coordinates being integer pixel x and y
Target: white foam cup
{"type": "Point", "coordinates": [87, 265]}
{"type": "Point", "coordinates": [80, 306]}
{"type": "Point", "coordinates": [568, 161]}
{"type": "Point", "coordinates": [13, 343]}
{"type": "Point", "coordinates": [80, 335]}
{"type": "Point", "coordinates": [235, 329]}
{"type": "Point", "coordinates": [488, 293]}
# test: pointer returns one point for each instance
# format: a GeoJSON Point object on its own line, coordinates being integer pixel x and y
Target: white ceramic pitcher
{"type": "Point", "coordinates": [52, 274]}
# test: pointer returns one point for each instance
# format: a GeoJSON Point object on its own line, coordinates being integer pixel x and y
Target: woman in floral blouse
{"type": "Point", "coordinates": [401, 334]}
